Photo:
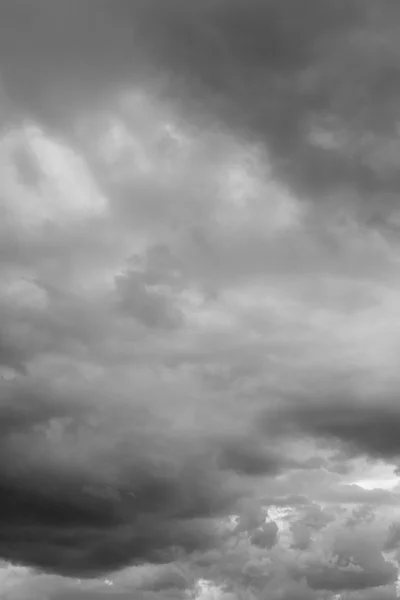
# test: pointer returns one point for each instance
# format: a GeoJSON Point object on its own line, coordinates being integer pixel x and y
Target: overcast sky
{"type": "Point", "coordinates": [199, 299]}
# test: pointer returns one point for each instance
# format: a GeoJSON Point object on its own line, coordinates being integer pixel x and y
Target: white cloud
{"type": "Point", "coordinates": [64, 191]}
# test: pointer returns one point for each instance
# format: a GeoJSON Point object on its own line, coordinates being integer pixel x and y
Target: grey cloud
{"type": "Point", "coordinates": [315, 517]}
{"type": "Point", "coordinates": [301, 535]}
{"type": "Point", "coordinates": [384, 593]}
{"type": "Point", "coordinates": [356, 562]}
{"type": "Point", "coordinates": [337, 559]}
{"type": "Point", "coordinates": [249, 457]}
{"type": "Point", "coordinates": [393, 538]}
{"type": "Point", "coordinates": [110, 595]}
{"type": "Point", "coordinates": [363, 427]}
{"type": "Point", "coordinates": [149, 306]}
{"type": "Point", "coordinates": [168, 579]}
{"type": "Point", "coordinates": [27, 167]}
{"type": "Point", "coordinates": [266, 536]}
{"type": "Point", "coordinates": [350, 578]}
{"type": "Point", "coordinates": [307, 89]}
{"type": "Point", "coordinates": [275, 75]}
{"type": "Point", "coordinates": [361, 514]}
{"type": "Point", "coordinates": [90, 482]}
{"type": "Point", "coordinates": [82, 498]}
{"type": "Point", "coordinates": [11, 355]}
{"type": "Point", "coordinates": [251, 516]}
{"type": "Point", "coordinates": [350, 494]}
{"type": "Point", "coordinates": [54, 525]}
{"type": "Point", "coordinates": [25, 404]}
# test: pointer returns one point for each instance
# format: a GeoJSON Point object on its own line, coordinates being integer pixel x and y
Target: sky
{"type": "Point", "coordinates": [199, 299]}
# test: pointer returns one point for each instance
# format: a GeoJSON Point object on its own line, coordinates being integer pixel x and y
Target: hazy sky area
{"type": "Point", "coordinates": [199, 299]}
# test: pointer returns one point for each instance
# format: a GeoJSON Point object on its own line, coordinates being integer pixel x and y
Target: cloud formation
{"type": "Point", "coordinates": [199, 299]}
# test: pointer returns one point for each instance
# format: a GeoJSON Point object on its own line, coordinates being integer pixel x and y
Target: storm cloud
{"type": "Point", "coordinates": [199, 299]}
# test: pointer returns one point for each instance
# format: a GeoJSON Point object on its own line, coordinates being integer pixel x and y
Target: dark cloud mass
{"type": "Point", "coordinates": [199, 299]}
{"type": "Point", "coordinates": [371, 428]}
{"type": "Point", "coordinates": [110, 502]}
{"type": "Point", "coordinates": [320, 91]}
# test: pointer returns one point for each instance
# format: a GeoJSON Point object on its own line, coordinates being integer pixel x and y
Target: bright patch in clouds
{"type": "Point", "coordinates": [63, 189]}
{"type": "Point", "coordinates": [206, 590]}
{"type": "Point", "coordinates": [381, 484]}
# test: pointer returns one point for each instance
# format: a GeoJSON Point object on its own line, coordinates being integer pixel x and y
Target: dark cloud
{"type": "Point", "coordinates": [10, 355]}
{"type": "Point", "coordinates": [320, 92]}
{"type": "Point", "coordinates": [393, 538]}
{"type": "Point", "coordinates": [266, 536]}
{"type": "Point", "coordinates": [249, 457]}
{"type": "Point", "coordinates": [26, 404]}
{"type": "Point", "coordinates": [110, 595]}
{"type": "Point", "coordinates": [251, 517]}
{"type": "Point", "coordinates": [167, 579]}
{"type": "Point", "coordinates": [54, 525]}
{"type": "Point", "coordinates": [290, 500]}
{"type": "Point", "coordinates": [384, 593]}
{"type": "Point", "coordinates": [350, 578]}
{"type": "Point", "coordinates": [64, 508]}
{"type": "Point", "coordinates": [301, 535]}
{"type": "Point", "coordinates": [268, 73]}
{"type": "Point", "coordinates": [351, 494]}
{"type": "Point", "coordinates": [363, 427]}
{"type": "Point", "coordinates": [198, 206]}
{"type": "Point", "coordinates": [148, 306]}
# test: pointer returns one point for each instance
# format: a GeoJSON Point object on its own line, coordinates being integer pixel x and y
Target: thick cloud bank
{"type": "Point", "coordinates": [199, 299]}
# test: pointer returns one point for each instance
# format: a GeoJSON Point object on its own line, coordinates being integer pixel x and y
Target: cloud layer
{"type": "Point", "coordinates": [199, 299]}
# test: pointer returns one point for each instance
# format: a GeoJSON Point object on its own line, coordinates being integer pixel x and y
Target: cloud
{"type": "Point", "coordinates": [351, 578]}
{"type": "Point", "coordinates": [258, 69]}
{"type": "Point", "coordinates": [247, 457]}
{"type": "Point", "coordinates": [265, 537]}
{"type": "Point", "coordinates": [301, 535]}
{"type": "Point", "coordinates": [294, 85]}
{"type": "Point", "coordinates": [362, 427]}
{"type": "Point", "coordinates": [199, 299]}
{"type": "Point", "coordinates": [148, 306]}
{"type": "Point", "coordinates": [80, 503]}
{"type": "Point", "coordinates": [393, 537]}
